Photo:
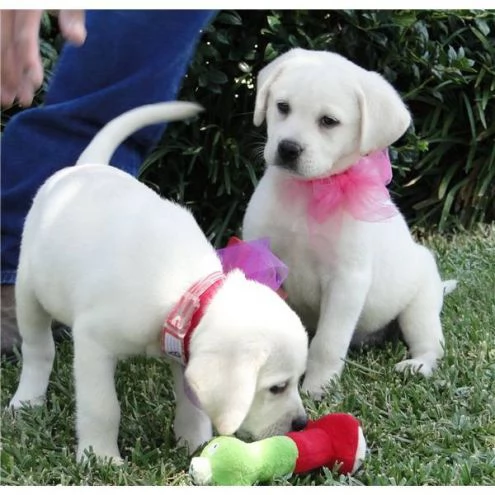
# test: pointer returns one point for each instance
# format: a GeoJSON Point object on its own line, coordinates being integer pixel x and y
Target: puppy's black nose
{"type": "Point", "coordinates": [299, 423]}
{"type": "Point", "coordinates": [289, 151]}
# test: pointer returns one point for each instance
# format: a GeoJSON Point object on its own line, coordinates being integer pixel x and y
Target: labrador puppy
{"type": "Point", "coordinates": [353, 265]}
{"type": "Point", "coordinates": [132, 274]}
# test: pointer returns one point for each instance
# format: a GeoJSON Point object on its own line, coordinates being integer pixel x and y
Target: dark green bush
{"type": "Point", "coordinates": [442, 62]}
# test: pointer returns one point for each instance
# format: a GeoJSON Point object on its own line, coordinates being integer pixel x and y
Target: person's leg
{"type": "Point", "coordinates": [130, 58]}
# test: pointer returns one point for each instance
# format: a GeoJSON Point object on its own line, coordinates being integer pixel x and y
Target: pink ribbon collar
{"type": "Point", "coordinates": [361, 191]}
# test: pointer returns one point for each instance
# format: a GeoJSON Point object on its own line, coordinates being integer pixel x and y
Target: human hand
{"type": "Point", "coordinates": [22, 69]}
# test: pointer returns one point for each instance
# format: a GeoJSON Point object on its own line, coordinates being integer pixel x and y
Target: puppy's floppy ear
{"type": "Point", "coordinates": [225, 385]}
{"type": "Point", "coordinates": [266, 78]}
{"type": "Point", "coordinates": [384, 116]}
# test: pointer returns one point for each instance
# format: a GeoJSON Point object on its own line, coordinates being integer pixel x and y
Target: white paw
{"type": "Point", "coordinates": [414, 366]}
{"type": "Point", "coordinates": [448, 286]}
{"type": "Point", "coordinates": [18, 403]}
{"type": "Point", "coordinates": [113, 455]}
{"type": "Point", "coordinates": [193, 437]}
{"type": "Point", "coordinates": [315, 384]}
{"type": "Point", "coordinates": [115, 460]}
{"type": "Point", "coordinates": [193, 442]}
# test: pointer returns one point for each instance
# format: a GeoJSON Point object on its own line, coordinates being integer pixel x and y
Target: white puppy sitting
{"type": "Point", "coordinates": [107, 256]}
{"type": "Point", "coordinates": [353, 265]}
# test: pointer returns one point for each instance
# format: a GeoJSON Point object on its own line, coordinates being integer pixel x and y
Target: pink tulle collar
{"type": "Point", "coordinates": [361, 191]}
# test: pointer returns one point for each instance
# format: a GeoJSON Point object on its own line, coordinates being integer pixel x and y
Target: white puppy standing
{"type": "Point", "coordinates": [348, 277]}
{"type": "Point", "coordinates": [107, 256]}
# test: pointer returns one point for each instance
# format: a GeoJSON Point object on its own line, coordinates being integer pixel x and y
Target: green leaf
{"type": "Point", "coordinates": [447, 204]}
{"type": "Point", "coordinates": [469, 111]}
{"type": "Point", "coordinates": [223, 38]}
{"type": "Point", "coordinates": [274, 22]}
{"type": "Point", "coordinates": [203, 79]}
{"type": "Point", "coordinates": [482, 25]}
{"type": "Point", "coordinates": [445, 182]}
{"type": "Point", "coordinates": [231, 18]}
{"type": "Point", "coordinates": [489, 178]}
{"type": "Point", "coordinates": [217, 76]}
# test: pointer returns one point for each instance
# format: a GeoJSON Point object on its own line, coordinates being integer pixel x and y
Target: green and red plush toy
{"type": "Point", "coordinates": [333, 440]}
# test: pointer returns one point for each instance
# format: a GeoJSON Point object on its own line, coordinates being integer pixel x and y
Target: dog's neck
{"type": "Point", "coordinates": [185, 316]}
{"type": "Point", "coordinates": [359, 190]}
{"type": "Point", "coordinates": [343, 164]}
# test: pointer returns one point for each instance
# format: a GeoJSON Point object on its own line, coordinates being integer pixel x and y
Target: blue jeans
{"type": "Point", "coordinates": [130, 58]}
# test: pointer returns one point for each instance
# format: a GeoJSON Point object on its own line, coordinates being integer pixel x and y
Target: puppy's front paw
{"type": "Point", "coordinates": [84, 454]}
{"type": "Point", "coordinates": [314, 384]}
{"type": "Point", "coordinates": [416, 366]}
{"type": "Point", "coordinates": [18, 403]}
{"type": "Point", "coordinates": [191, 441]}
{"type": "Point", "coordinates": [193, 436]}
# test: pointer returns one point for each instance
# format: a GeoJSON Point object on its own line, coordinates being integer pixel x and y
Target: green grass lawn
{"type": "Point", "coordinates": [436, 431]}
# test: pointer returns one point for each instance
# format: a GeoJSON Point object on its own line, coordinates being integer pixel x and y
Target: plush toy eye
{"type": "Point", "coordinates": [283, 107]}
{"type": "Point", "coordinates": [327, 121]}
{"type": "Point", "coordinates": [212, 448]}
{"type": "Point", "coordinates": [279, 389]}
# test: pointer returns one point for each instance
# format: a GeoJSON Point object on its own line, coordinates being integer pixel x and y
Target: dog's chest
{"type": "Point", "coordinates": [315, 252]}
{"type": "Point", "coordinates": [312, 256]}
{"type": "Point", "coordinates": [305, 248]}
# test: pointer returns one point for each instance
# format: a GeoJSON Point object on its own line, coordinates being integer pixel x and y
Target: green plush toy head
{"type": "Point", "coordinates": [229, 461]}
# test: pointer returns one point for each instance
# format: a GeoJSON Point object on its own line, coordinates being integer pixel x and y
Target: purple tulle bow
{"type": "Point", "coordinates": [256, 260]}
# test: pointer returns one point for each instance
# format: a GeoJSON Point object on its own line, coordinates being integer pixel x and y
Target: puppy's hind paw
{"type": "Point", "coordinates": [449, 286]}
{"type": "Point", "coordinates": [414, 366]}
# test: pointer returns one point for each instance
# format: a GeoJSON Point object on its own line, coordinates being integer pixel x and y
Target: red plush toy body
{"type": "Point", "coordinates": [330, 440]}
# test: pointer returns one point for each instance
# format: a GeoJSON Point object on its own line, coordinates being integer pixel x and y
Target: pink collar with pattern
{"type": "Point", "coordinates": [186, 315]}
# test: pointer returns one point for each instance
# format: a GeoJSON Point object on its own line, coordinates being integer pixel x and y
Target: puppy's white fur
{"type": "Point", "coordinates": [352, 284]}
{"type": "Point", "coordinates": [105, 255]}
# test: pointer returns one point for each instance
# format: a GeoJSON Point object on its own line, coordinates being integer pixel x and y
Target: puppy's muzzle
{"type": "Point", "coordinates": [288, 154]}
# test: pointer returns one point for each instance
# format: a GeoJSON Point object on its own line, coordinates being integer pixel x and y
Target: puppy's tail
{"type": "Point", "coordinates": [104, 144]}
{"type": "Point", "coordinates": [448, 286]}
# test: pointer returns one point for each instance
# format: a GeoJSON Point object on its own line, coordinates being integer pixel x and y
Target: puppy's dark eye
{"type": "Point", "coordinates": [283, 107]}
{"type": "Point", "coordinates": [279, 389]}
{"type": "Point", "coordinates": [327, 121]}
